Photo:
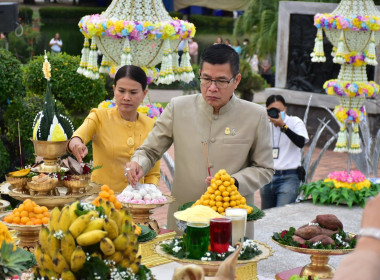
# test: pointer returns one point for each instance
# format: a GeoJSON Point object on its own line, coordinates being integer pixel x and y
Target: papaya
{"type": "Point", "coordinates": [19, 173]}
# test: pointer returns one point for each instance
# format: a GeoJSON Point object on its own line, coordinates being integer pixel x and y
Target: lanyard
{"type": "Point", "coordinates": [278, 143]}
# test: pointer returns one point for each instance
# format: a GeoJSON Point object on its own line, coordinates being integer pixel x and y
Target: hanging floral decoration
{"type": "Point", "coordinates": [354, 39]}
{"type": "Point", "coordinates": [133, 33]}
{"type": "Point", "coordinates": [351, 89]}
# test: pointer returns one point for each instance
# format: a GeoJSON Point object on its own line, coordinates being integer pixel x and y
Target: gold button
{"type": "Point", "coordinates": [211, 165]}
{"type": "Point", "coordinates": [212, 140]}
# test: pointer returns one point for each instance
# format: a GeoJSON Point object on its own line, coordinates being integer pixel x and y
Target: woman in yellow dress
{"type": "Point", "coordinates": [116, 132]}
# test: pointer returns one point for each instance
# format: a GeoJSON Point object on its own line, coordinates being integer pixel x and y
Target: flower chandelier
{"type": "Point", "coordinates": [137, 32]}
{"type": "Point", "coordinates": [352, 28]}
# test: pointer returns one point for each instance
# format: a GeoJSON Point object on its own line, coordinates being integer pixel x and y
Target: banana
{"type": "Point", "coordinates": [117, 257]}
{"type": "Point", "coordinates": [59, 262]}
{"type": "Point", "coordinates": [53, 221]}
{"type": "Point", "coordinates": [94, 224]}
{"type": "Point", "coordinates": [78, 258]}
{"type": "Point", "coordinates": [67, 275]}
{"type": "Point", "coordinates": [80, 224]}
{"type": "Point", "coordinates": [126, 227]}
{"type": "Point", "coordinates": [46, 262]}
{"type": "Point", "coordinates": [67, 246]}
{"type": "Point", "coordinates": [50, 274]}
{"type": "Point", "coordinates": [111, 227]}
{"type": "Point", "coordinates": [91, 237]}
{"type": "Point", "coordinates": [106, 207]}
{"type": "Point", "coordinates": [135, 266]}
{"type": "Point", "coordinates": [121, 242]}
{"type": "Point", "coordinates": [54, 244]}
{"type": "Point", "coordinates": [116, 216]}
{"type": "Point", "coordinates": [132, 255]}
{"type": "Point", "coordinates": [97, 254]}
{"type": "Point", "coordinates": [38, 253]}
{"type": "Point", "coordinates": [125, 262]}
{"type": "Point", "coordinates": [64, 219]}
{"type": "Point", "coordinates": [72, 208]}
{"type": "Point", "coordinates": [130, 250]}
{"type": "Point", "coordinates": [126, 216]}
{"type": "Point", "coordinates": [107, 246]}
{"type": "Point", "coordinates": [43, 237]}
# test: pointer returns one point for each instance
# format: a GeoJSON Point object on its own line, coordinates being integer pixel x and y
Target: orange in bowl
{"type": "Point", "coordinates": [28, 213]}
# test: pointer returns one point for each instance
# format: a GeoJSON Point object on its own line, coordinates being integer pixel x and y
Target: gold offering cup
{"type": "Point", "coordinates": [77, 183]}
{"type": "Point", "coordinates": [50, 151]}
{"type": "Point", "coordinates": [44, 188]}
{"type": "Point", "coordinates": [18, 182]}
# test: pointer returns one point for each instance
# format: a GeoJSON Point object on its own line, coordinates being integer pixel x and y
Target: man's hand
{"type": "Point", "coordinates": [78, 149]}
{"type": "Point", "coordinates": [208, 180]}
{"type": "Point", "coordinates": [133, 172]}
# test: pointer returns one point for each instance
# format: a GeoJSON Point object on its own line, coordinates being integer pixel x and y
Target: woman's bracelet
{"type": "Point", "coordinates": [370, 232]}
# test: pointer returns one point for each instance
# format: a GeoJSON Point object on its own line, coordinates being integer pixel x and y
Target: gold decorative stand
{"type": "Point", "coordinates": [50, 151]}
{"type": "Point", "coordinates": [141, 212]}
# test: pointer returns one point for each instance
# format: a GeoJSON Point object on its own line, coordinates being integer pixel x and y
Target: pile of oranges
{"type": "Point", "coordinates": [28, 213]}
{"type": "Point", "coordinates": [107, 195]}
{"type": "Point", "coordinates": [222, 194]}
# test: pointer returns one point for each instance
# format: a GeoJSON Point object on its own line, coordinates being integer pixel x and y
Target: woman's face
{"type": "Point", "coordinates": [128, 95]}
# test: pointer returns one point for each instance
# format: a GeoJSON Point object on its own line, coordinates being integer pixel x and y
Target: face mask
{"type": "Point", "coordinates": [282, 115]}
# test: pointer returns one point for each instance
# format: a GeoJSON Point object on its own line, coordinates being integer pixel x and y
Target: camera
{"type": "Point", "coordinates": [273, 113]}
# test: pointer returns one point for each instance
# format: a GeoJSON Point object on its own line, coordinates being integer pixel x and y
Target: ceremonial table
{"type": "Point", "coordinates": [278, 219]}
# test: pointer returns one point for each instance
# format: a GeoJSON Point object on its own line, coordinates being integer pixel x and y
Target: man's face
{"type": "Point", "coordinates": [214, 96]}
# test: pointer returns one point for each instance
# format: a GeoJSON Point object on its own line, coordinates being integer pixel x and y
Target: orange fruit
{"type": "Point", "coordinates": [32, 214]}
{"type": "Point", "coordinates": [44, 209]}
{"type": "Point", "coordinates": [111, 192]}
{"type": "Point", "coordinates": [118, 205]}
{"type": "Point", "coordinates": [16, 220]}
{"type": "Point", "coordinates": [39, 216]}
{"type": "Point", "coordinates": [28, 206]}
{"type": "Point", "coordinates": [24, 220]}
{"type": "Point", "coordinates": [46, 214]}
{"type": "Point", "coordinates": [105, 188]}
{"type": "Point", "coordinates": [21, 207]}
{"type": "Point", "coordinates": [37, 222]}
{"type": "Point", "coordinates": [37, 210]}
{"type": "Point", "coordinates": [8, 219]}
{"type": "Point", "coordinates": [45, 220]}
{"type": "Point", "coordinates": [29, 223]}
{"type": "Point", "coordinates": [112, 198]}
{"type": "Point", "coordinates": [16, 213]}
{"type": "Point", "coordinates": [24, 214]}
{"type": "Point", "coordinates": [104, 194]}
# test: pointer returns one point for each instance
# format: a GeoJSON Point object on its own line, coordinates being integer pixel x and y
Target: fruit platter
{"type": "Point", "coordinates": [141, 201]}
{"type": "Point", "coordinates": [26, 220]}
{"type": "Point", "coordinates": [219, 196]}
{"type": "Point", "coordinates": [320, 238]}
{"type": "Point", "coordinates": [211, 262]}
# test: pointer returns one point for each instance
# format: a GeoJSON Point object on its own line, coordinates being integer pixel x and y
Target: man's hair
{"type": "Point", "coordinates": [221, 54]}
{"type": "Point", "coordinates": [273, 98]}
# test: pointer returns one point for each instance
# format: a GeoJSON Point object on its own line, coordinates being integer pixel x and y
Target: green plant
{"type": "Point", "coordinates": [4, 160]}
{"type": "Point", "coordinates": [212, 22]}
{"type": "Point", "coordinates": [10, 77]}
{"type": "Point", "coordinates": [250, 82]}
{"type": "Point", "coordinates": [23, 110]}
{"type": "Point", "coordinates": [67, 14]}
{"type": "Point", "coordinates": [77, 93]}
{"type": "Point", "coordinates": [25, 15]}
{"type": "Point", "coordinates": [178, 15]}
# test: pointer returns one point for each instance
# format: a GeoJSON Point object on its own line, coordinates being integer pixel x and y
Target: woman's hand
{"type": "Point", "coordinates": [78, 149]}
{"type": "Point", "coordinates": [133, 172]}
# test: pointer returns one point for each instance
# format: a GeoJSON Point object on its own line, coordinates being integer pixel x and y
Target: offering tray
{"type": "Point", "coordinates": [50, 201]}
{"type": "Point", "coordinates": [27, 235]}
{"type": "Point", "coordinates": [37, 169]}
{"type": "Point", "coordinates": [141, 212]}
{"type": "Point", "coordinates": [3, 204]}
{"type": "Point", "coordinates": [319, 266]}
{"type": "Point", "coordinates": [246, 269]}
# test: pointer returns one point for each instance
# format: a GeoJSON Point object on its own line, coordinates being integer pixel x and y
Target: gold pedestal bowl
{"type": "Point", "coordinates": [77, 183]}
{"type": "Point", "coordinates": [50, 151]}
{"type": "Point", "coordinates": [42, 189]}
{"type": "Point", "coordinates": [319, 266]}
{"type": "Point", "coordinates": [141, 212]}
{"type": "Point", "coordinates": [19, 183]}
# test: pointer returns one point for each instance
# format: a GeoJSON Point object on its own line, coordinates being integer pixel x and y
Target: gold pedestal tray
{"type": "Point", "coordinates": [246, 269]}
{"type": "Point", "coordinates": [51, 201]}
{"type": "Point", "coordinates": [77, 183]}
{"type": "Point", "coordinates": [141, 212]}
{"type": "Point", "coordinates": [319, 266]}
{"type": "Point", "coordinates": [27, 235]}
{"type": "Point", "coordinates": [19, 183]}
{"type": "Point", "coordinates": [3, 204]}
{"type": "Point", "coordinates": [50, 151]}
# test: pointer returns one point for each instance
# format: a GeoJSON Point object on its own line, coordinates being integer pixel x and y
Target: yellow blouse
{"type": "Point", "coordinates": [109, 133]}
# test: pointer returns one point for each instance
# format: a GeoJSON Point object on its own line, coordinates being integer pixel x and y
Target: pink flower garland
{"type": "Point", "coordinates": [342, 176]}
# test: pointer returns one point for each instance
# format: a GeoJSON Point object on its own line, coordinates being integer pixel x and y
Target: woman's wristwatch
{"type": "Point", "coordinates": [284, 128]}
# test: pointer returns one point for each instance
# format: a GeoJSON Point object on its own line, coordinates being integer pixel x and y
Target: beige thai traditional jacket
{"type": "Point", "coordinates": [238, 140]}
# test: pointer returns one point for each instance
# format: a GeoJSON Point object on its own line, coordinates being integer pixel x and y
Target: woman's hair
{"type": "Point", "coordinates": [221, 54]}
{"type": "Point", "coordinates": [274, 98]}
{"type": "Point", "coordinates": [132, 72]}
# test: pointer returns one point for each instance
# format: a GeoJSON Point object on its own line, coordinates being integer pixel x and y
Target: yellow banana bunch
{"type": "Point", "coordinates": [43, 237]}
{"type": "Point", "coordinates": [80, 224]}
{"type": "Point", "coordinates": [67, 275]}
{"type": "Point", "coordinates": [64, 219]}
{"type": "Point", "coordinates": [59, 262]}
{"type": "Point", "coordinates": [94, 225]}
{"type": "Point", "coordinates": [54, 244]}
{"type": "Point", "coordinates": [67, 246]}
{"type": "Point", "coordinates": [72, 208]}
{"type": "Point", "coordinates": [53, 220]}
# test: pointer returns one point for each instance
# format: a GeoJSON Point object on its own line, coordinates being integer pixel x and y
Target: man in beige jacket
{"type": "Point", "coordinates": [236, 131]}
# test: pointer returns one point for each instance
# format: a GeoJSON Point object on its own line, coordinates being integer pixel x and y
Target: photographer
{"type": "Point", "coordinates": [289, 135]}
